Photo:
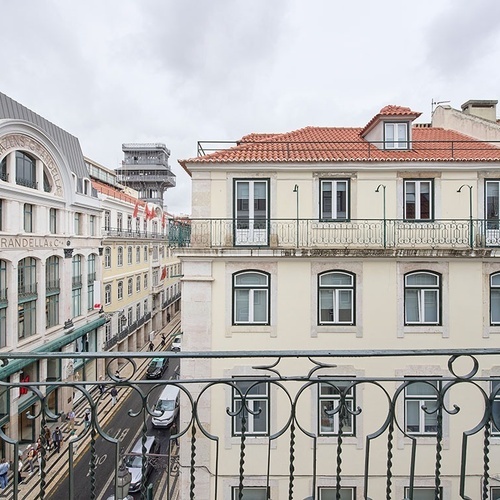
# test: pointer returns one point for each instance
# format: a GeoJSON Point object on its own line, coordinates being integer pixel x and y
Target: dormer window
{"type": "Point", "coordinates": [396, 135]}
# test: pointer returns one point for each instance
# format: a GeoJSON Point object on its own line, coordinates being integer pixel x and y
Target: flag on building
{"type": "Point", "coordinates": [136, 209]}
{"type": "Point", "coordinates": [163, 273]}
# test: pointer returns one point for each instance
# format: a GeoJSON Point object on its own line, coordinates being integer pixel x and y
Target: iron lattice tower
{"type": "Point", "coordinates": [145, 168]}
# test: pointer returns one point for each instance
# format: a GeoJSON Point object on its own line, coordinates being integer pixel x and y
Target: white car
{"type": "Point", "coordinates": [176, 344]}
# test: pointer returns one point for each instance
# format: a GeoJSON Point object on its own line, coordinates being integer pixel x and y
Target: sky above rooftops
{"type": "Point", "coordinates": [179, 71]}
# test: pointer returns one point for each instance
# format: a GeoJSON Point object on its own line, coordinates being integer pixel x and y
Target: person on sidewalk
{"type": "Point", "coordinates": [86, 419]}
{"type": "Point", "coordinates": [114, 395]}
{"type": "Point", "coordinates": [4, 469]}
{"type": "Point", "coordinates": [101, 386]}
{"type": "Point", "coordinates": [57, 437]}
{"type": "Point", "coordinates": [39, 446]}
{"type": "Point", "coordinates": [71, 418]}
{"type": "Point", "coordinates": [151, 346]}
{"type": "Point", "coordinates": [31, 459]}
{"type": "Point", "coordinates": [19, 468]}
{"type": "Point", "coordinates": [48, 437]}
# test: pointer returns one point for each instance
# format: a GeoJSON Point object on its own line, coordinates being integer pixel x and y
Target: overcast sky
{"type": "Point", "coordinates": [179, 71]}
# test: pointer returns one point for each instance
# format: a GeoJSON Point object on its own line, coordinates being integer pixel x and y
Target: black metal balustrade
{"type": "Point", "coordinates": [295, 418]}
{"type": "Point", "coordinates": [454, 234]}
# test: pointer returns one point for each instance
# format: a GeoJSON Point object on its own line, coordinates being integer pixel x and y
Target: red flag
{"type": "Point", "coordinates": [163, 273]}
{"type": "Point", "coordinates": [136, 209]}
{"type": "Point", "coordinates": [147, 213]}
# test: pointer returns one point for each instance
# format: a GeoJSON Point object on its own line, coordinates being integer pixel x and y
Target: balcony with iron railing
{"type": "Point", "coordinates": [27, 290]}
{"type": "Point", "coordinates": [365, 234]}
{"type": "Point", "coordinates": [76, 281]}
{"type": "Point", "coordinates": [292, 425]}
{"type": "Point", "coordinates": [121, 233]}
{"type": "Point", "coordinates": [53, 286]}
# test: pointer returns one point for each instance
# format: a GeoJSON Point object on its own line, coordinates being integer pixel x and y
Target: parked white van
{"type": "Point", "coordinates": [167, 407]}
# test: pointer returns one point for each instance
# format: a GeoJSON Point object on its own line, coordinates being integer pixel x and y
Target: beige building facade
{"type": "Point", "coordinates": [339, 241]}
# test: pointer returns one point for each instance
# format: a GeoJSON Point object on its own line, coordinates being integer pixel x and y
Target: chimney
{"type": "Point", "coordinates": [485, 109]}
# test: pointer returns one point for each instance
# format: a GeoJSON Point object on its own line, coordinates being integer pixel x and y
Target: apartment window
{"type": "Point", "coordinates": [336, 298]}
{"type": "Point", "coordinates": [25, 170]}
{"type": "Point", "coordinates": [120, 256]}
{"type": "Point", "coordinates": [145, 226]}
{"type": "Point", "coordinates": [130, 319]}
{"type": "Point", "coordinates": [426, 493]}
{"type": "Point", "coordinates": [26, 319]}
{"type": "Point", "coordinates": [251, 298]}
{"type": "Point", "coordinates": [138, 311]}
{"type": "Point", "coordinates": [422, 298]}
{"type": "Point", "coordinates": [77, 228]}
{"type": "Point", "coordinates": [495, 493]}
{"type": "Point", "coordinates": [27, 297]}
{"type": "Point", "coordinates": [495, 299]}
{"type": "Point", "coordinates": [396, 135]}
{"type": "Point", "coordinates": [119, 222]}
{"type": "Point", "coordinates": [418, 200]}
{"type": "Point", "coordinates": [129, 256]}
{"type": "Point", "coordinates": [253, 396]}
{"type": "Point", "coordinates": [107, 257]}
{"type": "Point", "coordinates": [495, 407]}
{"type": "Point", "coordinates": [107, 294]}
{"type": "Point", "coordinates": [107, 331]}
{"type": "Point", "coordinates": [130, 286]}
{"type": "Point", "coordinates": [336, 404]}
{"type": "Point", "coordinates": [51, 310]}
{"type": "Point", "coordinates": [107, 220]}
{"type": "Point", "coordinates": [92, 225]}
{"type": "Point", "coordinates": [137, 225]}
{"type": "Point", "coordinates": [331, 493]}
{"type": "Point", "coordinates": [129, 223]}
{"type": "Point", "coordinates": [28, 218]}
{"type": "Point", "coordinates": [421, 407]}
{"type": "Point", "coordinates": [76, 297]}
{"type": "Point", "coordinates": [138, 284]}
{"type": "Point", "coordinates": [145, 280]}
{"type": "Point", "coordinates": [250, 493]}
{"type": "Point", "coordinates": [334, 199]}
{"type": "Point", "coordinates": [120, 290]}
{"type": "Point", "coordinates": [145, 254]}
{"type": "Point", "coordinates": [492, 204]}
{"type": "Point", "coordinates": [53, 221]}
{"type": "Point", "coordinates": [137, 255]}
{"type": "Point", "coordinates": [146, 307]}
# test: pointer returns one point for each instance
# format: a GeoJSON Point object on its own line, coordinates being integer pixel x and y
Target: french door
{"type": "Point", "coordinates": [251, 212]}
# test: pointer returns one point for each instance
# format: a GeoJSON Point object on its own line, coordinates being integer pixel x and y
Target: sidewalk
{"type": "Point", "coordinates": [56, 464]}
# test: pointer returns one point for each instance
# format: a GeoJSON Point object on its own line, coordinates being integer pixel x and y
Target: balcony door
{"type": "Point", "coordinates": [251, 212]}
{"type": "Point", "coordinates": [492, 213]}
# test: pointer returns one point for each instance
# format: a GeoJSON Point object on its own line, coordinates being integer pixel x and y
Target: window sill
{"type": "Point", "coordinates": [337, 329]}
{"type": "Point", "coordinates": [424, 330]}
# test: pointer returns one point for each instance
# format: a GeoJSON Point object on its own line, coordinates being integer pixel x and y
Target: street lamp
{"type": "Point", "coordinates": [471, 229]}
{"type": "Point", "coordinates": [296, 191]}
{"type": "Point", "coordinates": [385, 224]}
{"type": "Point", "coordinates": [122, 485]}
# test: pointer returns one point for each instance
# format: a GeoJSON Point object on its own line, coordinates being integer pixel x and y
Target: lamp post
{"type": "Point", "coordinates": [122, 484]}
{"type": "Point", "coordinates": [296, 191]}
{"type": "Point", "coordinates": [471, 225]}
{"type": "Point", "coordinates": [385, 224]}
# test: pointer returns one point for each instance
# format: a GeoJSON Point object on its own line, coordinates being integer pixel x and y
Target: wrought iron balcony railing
{"type": "Point", "coordinates": [290, 423]}
{"type": "Point", "coordinates": [344, 234]}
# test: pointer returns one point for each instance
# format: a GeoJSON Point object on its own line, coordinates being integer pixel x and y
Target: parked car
{"type": "Point", "coordinates": [167, 407]}
{"type": "Point", "coordinates": [133, 461]}
{"type": "Point", "coordinates": [157, 367]}
{"type": "Point", "coordinates": [176, 344]}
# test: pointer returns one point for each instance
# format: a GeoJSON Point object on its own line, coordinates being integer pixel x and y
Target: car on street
{"type": "Point", "coordinates": [176, 344]}
{"type": "Point", "coordinates": [133, 461]}
{"type": "Point", "coordinates": [157, 367]}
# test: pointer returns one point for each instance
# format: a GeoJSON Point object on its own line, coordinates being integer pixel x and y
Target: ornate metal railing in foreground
{"type": "Point", "coordinates": [380, 424]}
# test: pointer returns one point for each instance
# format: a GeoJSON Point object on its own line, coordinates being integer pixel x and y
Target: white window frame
{"type": "Point", "coordinates": [107, 294]}
{"type": "Point", "coordinates": [130, 286]}
{"type": "Point", "coordinates": [129, 255]}
{"type": "Point", "coordinates": [396, 135]}
{"type": "Point", "coordinates": [333, 186]}
{"type": "Point", "coordinates": [424, 294]}
{"type": "Point", "coordinates": [419, 191]}
{"type": "Point", "coordinates": [138, 283]}
{"type": "Point", "coordinates": [107, 257]}
{"type": "Point", "coordinates": [336, 293]}
{"type": "Point", "coordinates": [119, 292]}
{"type": "Point", "coordinates": [262, 491]}
{"type": "Point", "coordinates": [256, 401]}
{"type": "Point", "coordinates": [495, 493]}
{"type": "Point", "coordinates": [120, 256]}
{"type": "Point", "coordinates": [420, 400]}
{"type": "Point", "coordinates": [329, 399]}
{"type": "Point", "coordinates": [256, 295]}
{"type": "Point", "coordinates": [423, 492]}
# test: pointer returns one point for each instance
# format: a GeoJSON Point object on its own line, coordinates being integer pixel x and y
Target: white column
{"type": "Point", "coordinates": [39, 174]}
{"type": "Point", "coordinates": [11, 167]}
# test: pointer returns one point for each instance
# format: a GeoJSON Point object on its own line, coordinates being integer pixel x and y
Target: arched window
{"type": "Point", "coordinates": [129, 255]}
{"type": "Point", "coordinates": [336, 298]}
{"type": "Point", "coordinates": [47, 184]}
{"type": "Point", "coordinates": [25, 170]}
{"type": "Point", "coordinates": [422, 298]}
{"type": "Point", "coordinates": [120, 256]}
{"type": "Point", "coordinates": [120, 290]}
{"type": "Point", "coordinates": [3, 169]}
{"type": "Point", "coordinates": [107, 294]}
{"type": "Point", "coordinates": [137, 254]}
{"type": "Point", "coordinates": [251, 298]}
{"type": "Point", "coordinates": [107, 257]}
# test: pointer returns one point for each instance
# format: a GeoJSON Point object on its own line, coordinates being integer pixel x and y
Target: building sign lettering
{"type": "Point", "coordinates": [24, 242]}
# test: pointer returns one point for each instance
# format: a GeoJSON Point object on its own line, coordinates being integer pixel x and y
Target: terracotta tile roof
{"type": "Point", "coordinates": [391, 111]}
{"type": "Point", "coordinates": [115, 193]}
{"type": "Point", "coordinates": [337, 144]}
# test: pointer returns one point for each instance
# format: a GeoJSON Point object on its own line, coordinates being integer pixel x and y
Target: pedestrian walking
{"type": "Point", "coordinates": [151, 346]}
{"type": "Point", "coordinates": [47, 436]}
{"type": "Point", "coordinates": [19, 469]}
{"type": "Point", "coordinates": [39, 446]}
{"type": "Point", "coordinates": [168, 317]}
{"type": "Point", "coordinates": [86, 419]}
{"type": "Point", "coordinates": [71, 418]}
{"type": "Point", "coordinates": [57, 437]}
{"type": "Point", "coordinates": [4, 469]}
{"type": "Point", "coordinates": [163, 339]}
{"type": "Point", "coordinates": [101, 385]}
{"type": "Point", "coordinates": [31, 459]}
{"type": "Point", "coordinates": [173, 432]}
{"type": "Point", "coordinates": [114, 395]}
